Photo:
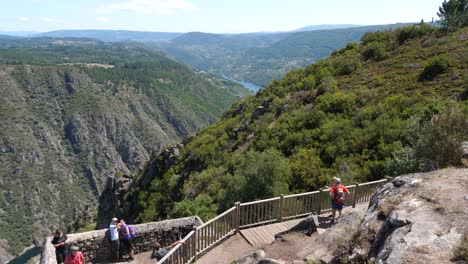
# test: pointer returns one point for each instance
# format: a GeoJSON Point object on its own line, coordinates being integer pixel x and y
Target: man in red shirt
{"type": "Point", "coordinates": [337, 193]}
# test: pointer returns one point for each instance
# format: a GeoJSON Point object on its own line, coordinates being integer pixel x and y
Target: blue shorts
{"type": "Point", "coordinates": [336, 205]}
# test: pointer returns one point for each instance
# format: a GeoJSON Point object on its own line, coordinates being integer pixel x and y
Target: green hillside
{"type": "Point", "coordinates": [261, 58]}
{"type": "Point", "coordinates": [76, 112]}
{"type": "Point", "coordinates": [393, 104]}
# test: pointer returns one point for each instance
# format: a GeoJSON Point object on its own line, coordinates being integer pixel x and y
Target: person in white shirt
{"type": "Point", "coordinates": [115, 242]}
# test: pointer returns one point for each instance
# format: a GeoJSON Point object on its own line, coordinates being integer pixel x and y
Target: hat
{"type": "Point", "coordinates": [74, 248]}
{"type": "Point", "coordinates": [115, 219]}
{"type": "Point", "coordinates": [338, 180]}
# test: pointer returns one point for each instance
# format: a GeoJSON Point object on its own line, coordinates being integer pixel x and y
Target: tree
{"type": "Point", "coordinates": [453, 14]}
{"type": "Point", "coordinates": [266, 174]}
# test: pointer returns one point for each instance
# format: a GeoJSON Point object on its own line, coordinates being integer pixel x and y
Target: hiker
{"type": "Point", "coordinates": [326, 187]}
{"type": "Point", "coordinates": [59, 242]}
{"type": "Point", "coordinates": [115, 243]}
{"type": "Point", "coordinates": [75, 257]}
{"type": "Point", "coordinates": [127, 237]}
{"type": "Point", "coordinates": [338, 194]}
{"type": "Point", "coordinates": [159, 252]}
{"type": "Point", "coordinates": [332, 184]}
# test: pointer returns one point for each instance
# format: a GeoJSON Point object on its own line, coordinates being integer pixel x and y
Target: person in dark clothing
{"type": "Point", "coordinates": [61, 249]}
{"type": "Point", "coordinates": [159, 252]}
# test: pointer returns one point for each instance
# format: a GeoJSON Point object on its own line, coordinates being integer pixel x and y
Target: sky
{"type": "Point", "coordinates": [215, 16]}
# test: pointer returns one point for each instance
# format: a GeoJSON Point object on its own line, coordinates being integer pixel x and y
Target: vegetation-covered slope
{"type": "Point", "coordinates": [76, 112]}
{"type": "Point", "coordinates": [395, 103]}
{"type": "Point", "coordinates": [261, 58]}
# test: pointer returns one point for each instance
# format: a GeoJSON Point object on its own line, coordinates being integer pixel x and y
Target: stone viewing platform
{"type": "Point", "coordinates": [95, 245]}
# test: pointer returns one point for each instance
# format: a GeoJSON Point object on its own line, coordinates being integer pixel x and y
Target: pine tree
{"type": "Point", "coordinates": [453, 14]}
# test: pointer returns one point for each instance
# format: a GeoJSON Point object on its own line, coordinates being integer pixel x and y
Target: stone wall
{"type": "Point", "coordinates": [95, 245]}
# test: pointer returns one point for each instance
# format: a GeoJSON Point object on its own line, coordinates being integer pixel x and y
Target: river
{"type": "Point", "coordinates": [26, 256]}
{"type": "Point", "coordinates": [252, 87]}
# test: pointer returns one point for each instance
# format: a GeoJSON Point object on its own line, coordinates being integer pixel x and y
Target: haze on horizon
{"type": "Point", "coordinates": [206, 15]}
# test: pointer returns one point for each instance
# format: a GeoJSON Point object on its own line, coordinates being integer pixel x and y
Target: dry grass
{"type": "Point", "coordinates": [387, 206]}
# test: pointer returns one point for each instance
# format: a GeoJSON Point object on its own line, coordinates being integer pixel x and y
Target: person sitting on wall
{"type": "Point", "coordinates": [75, 257]}
{"type": "Point", "coordinates": [61, 249]}
{"type": "Point", "coordinates": [159, 252]}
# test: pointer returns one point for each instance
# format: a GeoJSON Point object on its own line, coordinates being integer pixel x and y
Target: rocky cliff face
{"type": "Point", "coordinates": [64, 136]}
{"type": "Point", "coordinates": [416, 218]}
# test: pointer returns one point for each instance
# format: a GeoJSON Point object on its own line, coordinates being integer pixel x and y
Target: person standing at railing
{"type": "Point", "coordinates": [159, 253]}
{"type": "Point", "coordinates": [338, 194]}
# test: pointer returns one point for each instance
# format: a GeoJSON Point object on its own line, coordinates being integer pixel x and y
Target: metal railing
{"type": "Point", "coordinates": [261, 212]}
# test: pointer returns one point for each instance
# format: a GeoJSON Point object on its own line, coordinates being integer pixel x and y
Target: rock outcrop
{"type": "Point", "coordinates": [416, 218]}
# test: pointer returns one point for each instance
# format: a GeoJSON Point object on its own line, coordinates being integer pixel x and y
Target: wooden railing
{"type": "Point", "coordinates": [245, 215]}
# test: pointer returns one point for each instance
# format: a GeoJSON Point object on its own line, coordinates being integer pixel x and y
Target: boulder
{"type": "Point", "coordinates": [252, 258]}
{"type": "Point", "coordinates": [308, 226]}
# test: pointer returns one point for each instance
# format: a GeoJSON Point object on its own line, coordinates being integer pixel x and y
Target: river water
{"type": "Point", "coordinates": [252, 87]}
{"type": "Point", "coordinates": [26, 256]}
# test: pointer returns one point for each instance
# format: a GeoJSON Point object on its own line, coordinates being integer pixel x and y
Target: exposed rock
{"type": "Point", "coordinates": [308, 226]}
{"type": "Point", "coordinates": [258, 111]}
{"type": "Point", "coordinates": [415, 219]}
{"type": "Point", "coordinates": [252, 258]}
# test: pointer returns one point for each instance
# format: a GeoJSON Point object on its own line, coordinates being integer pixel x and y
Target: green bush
{"type": "Point", "coordinates": [266, 174]}
{"type": "Point", "coordinates": [434, 67]}
{"type": "Point", "coordinates": [375, 51]}
{"type": "Point", "coordinates": [379, 36]}
{"type": "Point", "coordinates": [405, 33]}
{"type": "Point", "coordinates": [440, 139]}
{"type": "Point", "coordinates": [404, 161]}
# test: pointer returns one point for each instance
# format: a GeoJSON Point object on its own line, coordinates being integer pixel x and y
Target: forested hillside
{"type": "Point", "coordinates": [395, 103]}
{"type": "Point", "coordinates": [260, 58]}
{"type": "Point", "coordinates": [76, 112]}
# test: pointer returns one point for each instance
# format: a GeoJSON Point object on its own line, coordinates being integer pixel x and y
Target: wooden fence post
{"type": "Point", "coordinates": [194, 243]}
{"type": "Point", "coordinates": [319, 208]}
{"type": "Point", "coordinates": [356, 190]}
{"type": "Point", "coordinates": [237, 217]}
{"type": "Point", "coordinates": [280, 212]}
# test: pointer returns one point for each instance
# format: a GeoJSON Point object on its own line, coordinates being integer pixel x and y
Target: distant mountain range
{"type": "Point", "coordinates": [112, 35]}
{"type": "Point", "coordinates": [327, 26]}
{"type": "Point", "coordinates": [142, 36]}
{"type": "Point", "coordinates": [18, 33]}
{"type": "Point", "coordinates": [257, 57]}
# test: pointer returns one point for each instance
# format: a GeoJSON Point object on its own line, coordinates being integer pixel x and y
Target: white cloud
{"type": "Point", "coordinates": [23, 19]}
{"type": "Point", "coordinates": [159, 7]}
{"type": "Point", "coordinates": [49, 20]}
{"type": "Point", "coordinates": [103, 19]}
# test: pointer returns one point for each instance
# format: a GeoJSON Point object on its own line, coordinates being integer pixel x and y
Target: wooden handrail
{"type": "Point", "coordinates": [174, 249]}
{"type": "Point", "coordinates": [300, 194]}
{"type": "Point", "coordinates": [218, 217]}
{"type": "Point", "coordinates": [212, 232]}
{"type": "Point", "coordinates": [260, 201]}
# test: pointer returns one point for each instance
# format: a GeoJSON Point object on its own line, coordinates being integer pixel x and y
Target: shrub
{"type": "Point", "coordinates": [405, 33]}
{"type": "Point", "coordinates": [379, 36]}
{"type": "Point", "coordinates": [434, 67]}
{"type": "Point", "coordinates": [347, 63]}
{"type": "Point", "coordinates": [266, 174]}
{"type": "Point", "coordinates": [375, 51]}
{"type": "Point", "coordinates": [404, 161]}
{"type": "Point", "coordinates": [461, 252]}
{"type": "Point", "coordinates": [440, 139]}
